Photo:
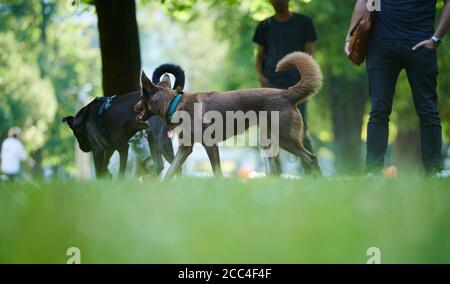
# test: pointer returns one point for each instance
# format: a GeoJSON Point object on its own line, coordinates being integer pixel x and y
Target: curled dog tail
{"type": "Point", "coordinates": [311, 76]}
{"type": "Point", "coordinates": [173, 69]}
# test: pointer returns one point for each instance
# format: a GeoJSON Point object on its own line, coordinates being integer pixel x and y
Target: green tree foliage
{"type": "Point", "coordinates": [48, 56]}
{"type": "Point", "coordinates": [26, 99]}
{"type": "Point", "coordinates": [189, 44]}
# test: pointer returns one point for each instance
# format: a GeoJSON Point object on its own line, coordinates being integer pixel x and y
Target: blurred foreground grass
{"type": "Point", "coordinates": [227, 221]}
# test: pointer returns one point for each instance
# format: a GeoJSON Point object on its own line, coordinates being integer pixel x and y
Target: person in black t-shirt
{"type": "Point", "coordinates": [403, 37]}
{"type": "Point", "coordinates": [276, 37]}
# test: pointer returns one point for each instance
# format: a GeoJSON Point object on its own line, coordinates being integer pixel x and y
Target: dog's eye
{"type": "Point", "coordinates": [144, 92]}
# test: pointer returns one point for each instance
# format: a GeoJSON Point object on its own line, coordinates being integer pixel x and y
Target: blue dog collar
{"type": "Point", "coordinates": [106, 105]}
{"type": "Point", "coordinates": [173, 106]}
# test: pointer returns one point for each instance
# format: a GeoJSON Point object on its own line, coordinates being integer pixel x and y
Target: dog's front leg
{"type": "Point", "coordinates": [214, 158]}
{"type": "Point", "coordinates": [106, 157]}
{"type": "Point", "coordinates": [271, 166]}
{"type": "Point", "coordinates": [99, 163]}
{"type": "Point", "coordinates": [182, 153]}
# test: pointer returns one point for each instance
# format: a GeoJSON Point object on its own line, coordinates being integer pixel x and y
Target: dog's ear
{"type": "Point", "coordinates": [69, 120]}
{"type": "Point", "coordinates": [147, 85]}
{"type": "Point", "coordinates": [165, 82]}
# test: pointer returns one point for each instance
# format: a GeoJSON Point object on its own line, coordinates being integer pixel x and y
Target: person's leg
{"type": "Point", "coordinates": [383, 69]}
{"type": "Point", "coordinates": [422, 72]}
{"type": "Point", "coordinates": [11, 177]}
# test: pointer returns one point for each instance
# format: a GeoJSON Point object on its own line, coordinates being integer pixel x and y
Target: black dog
{"type": "Point", "coordinates": [106, 124]}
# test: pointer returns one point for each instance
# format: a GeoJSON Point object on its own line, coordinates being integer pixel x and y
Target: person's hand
{"type": "Point", "coordinates": [347, 47]}
{"type": "Point", "coordinates": [430, 44]}
{"type": "Point", "coordinates": [31, 162]}
{"type": "Point", "coordinates": [263, 80]}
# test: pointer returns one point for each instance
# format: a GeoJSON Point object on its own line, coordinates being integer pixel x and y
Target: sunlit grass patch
{"type": "Point", "coordinates": [226, 221]}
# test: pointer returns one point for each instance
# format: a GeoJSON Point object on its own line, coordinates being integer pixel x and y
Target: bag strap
{"type": "Point", "coordinates": [353, 29]}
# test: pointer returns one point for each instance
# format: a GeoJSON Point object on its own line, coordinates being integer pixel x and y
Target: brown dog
{"type": "Point", "coordinates": [156, 99]}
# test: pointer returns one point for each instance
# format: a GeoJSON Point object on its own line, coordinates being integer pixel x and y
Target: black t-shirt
{"type": "Point", "coordinates": [405, 19]}
{"type": "Point", "coordinates": [279, 39]}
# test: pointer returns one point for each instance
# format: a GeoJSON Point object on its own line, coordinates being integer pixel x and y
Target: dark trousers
{"type": "Point", "coordinates": [12, 177]}
{"type": "Point", "coordinates": [385, 60]}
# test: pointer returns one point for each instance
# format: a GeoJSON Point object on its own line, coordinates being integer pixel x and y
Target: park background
{"type": "Point", "coordinates": [52, 54]}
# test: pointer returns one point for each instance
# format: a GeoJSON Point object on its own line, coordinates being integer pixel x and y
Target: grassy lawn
{"type": "Point", "coordinates": [227, 221]}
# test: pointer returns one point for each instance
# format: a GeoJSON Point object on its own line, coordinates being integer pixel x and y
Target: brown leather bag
{"type": "Point", "coordinates": [359, 38]}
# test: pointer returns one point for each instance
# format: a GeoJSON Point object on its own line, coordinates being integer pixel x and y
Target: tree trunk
{"type": "Point", "coordinates": [47, 11]}
{"type": "Point", "coordinates": [119, 44]}
{"type": "Point", "coordinates": [347, 110]}
{"type": "Point", "coordinates": [37, 170]}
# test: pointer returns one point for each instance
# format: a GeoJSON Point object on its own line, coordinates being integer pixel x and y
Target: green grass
{"type": "Point", "coordinates": [227, 221]}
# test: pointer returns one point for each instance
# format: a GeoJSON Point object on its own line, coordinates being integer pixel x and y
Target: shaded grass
{"type": "Point", "coordinates": [227, 221]}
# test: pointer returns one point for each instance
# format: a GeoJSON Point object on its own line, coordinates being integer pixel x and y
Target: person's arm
{"type": "Point", "coordinates": [24, 156]}
{"type": "Point", "coordinates": [259, 66]}
{"type": "Point", "coordinates": [442, 29]}
{"type": "Point", "coordinates": [309, 47]}
{"type": "Point", "coordinates": [358, 12]}
{"type": "Point", "coordinates": [310, 37]}
{"type": "Point", "coordinates": [444, 23]}
{"type": "Point", "coordinates": [30, 161]}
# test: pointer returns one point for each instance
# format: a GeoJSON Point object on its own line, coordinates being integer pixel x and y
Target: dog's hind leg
{"type": "Point", "coordinates": [123, 154]}
{"type": "Point", "coordinates": [308, 170]}
{"type": "Point", "coordinates": [291, 139]}
{"type": "Point", "coordinates": [270, 160]}
{"type": "Point", "coordinates": [271, 166]}
{"type": "Point", "coordinates": [296, 148]}
{"type": "Point", "coordinates": [271, 154]}
{"type": "Point", "coordinates": [106, 157]}
{"type": "Point", "coordinates": [214, 158]}
{"type": "Point", "coordinates": [270, 151]}
{"type": "Point", "coordinates": [182, 153]}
